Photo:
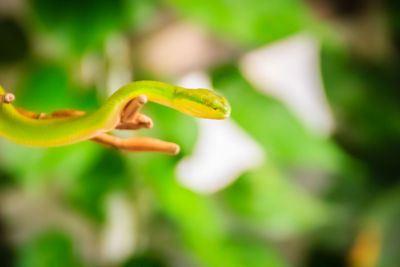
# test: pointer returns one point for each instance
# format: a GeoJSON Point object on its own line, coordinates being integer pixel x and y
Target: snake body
{"type": "Point", "coordinates": [201, 103]}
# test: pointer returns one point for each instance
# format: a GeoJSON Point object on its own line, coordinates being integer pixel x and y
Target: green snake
{"type": "Point", "coordinates": [16, 127]}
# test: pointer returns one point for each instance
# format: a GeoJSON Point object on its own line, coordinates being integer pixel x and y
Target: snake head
{"type": "Point", "coordinates": [202, 103]}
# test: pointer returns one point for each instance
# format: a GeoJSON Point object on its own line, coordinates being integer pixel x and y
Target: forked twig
{"type": "Point", "coordinates": [130, 119]}
{"type": "Point", "coordinates": [133, 108]}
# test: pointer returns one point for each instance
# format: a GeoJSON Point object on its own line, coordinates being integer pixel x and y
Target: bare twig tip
{"type": "Point", "coordinates": [7, 98]}
{"type": "Point", "coordinates": [176, 151]}
{"type": "Point", "coordinates": [41, 116]}
{"type": "Point", "coordinates": [142, 99]}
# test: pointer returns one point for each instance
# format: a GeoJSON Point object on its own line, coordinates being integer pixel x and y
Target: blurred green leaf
{"type": "Point", "coordinates": [198, 220]}
{"type": "Point", "coordinates": [47, 87]}
{"type": "Point", "coordinates": [364, 98]}
{"type": "Point", "coordinates": [382, 218]}
{"type": "Point", "coordinates": [251, 22]}
{"type": "Point", "coordinates": [49, 249]}
{"type": "Point", "coordinates": [252, 251]}
{"type": "Point", "coordinates": [148, 260]}
{"type": "Point", "coordinates": [273, 202]}
{"type": "Point", "coordinates": [14, 45]}
{"type": "Point", "coordinates": [107, 174]}
{"type": "Point", "coordinates": [83, 25]}
{"type": "Point", "coordinates": [43, 165]}
{"type": "Point", "coordinates": [284, 138]}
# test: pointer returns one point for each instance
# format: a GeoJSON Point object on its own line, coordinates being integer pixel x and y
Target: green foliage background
{"type": "Point", "coordinates": [236, 226]}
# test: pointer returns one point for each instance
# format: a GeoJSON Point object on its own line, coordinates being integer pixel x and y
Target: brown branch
{"type": "Point", "coordinates": [66, 113]}
{"type": "Point", "coordinates": [27, 113]}
{"type": "Point", "coordinates": [138, 144]}
{"type": "Point", "coordinates": [32, 115]}
{"type": "Point", "coordinates": [130, 119]}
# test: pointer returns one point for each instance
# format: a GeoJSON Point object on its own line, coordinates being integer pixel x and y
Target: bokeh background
{"type": "Point", "coordinates": [305, 173]}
